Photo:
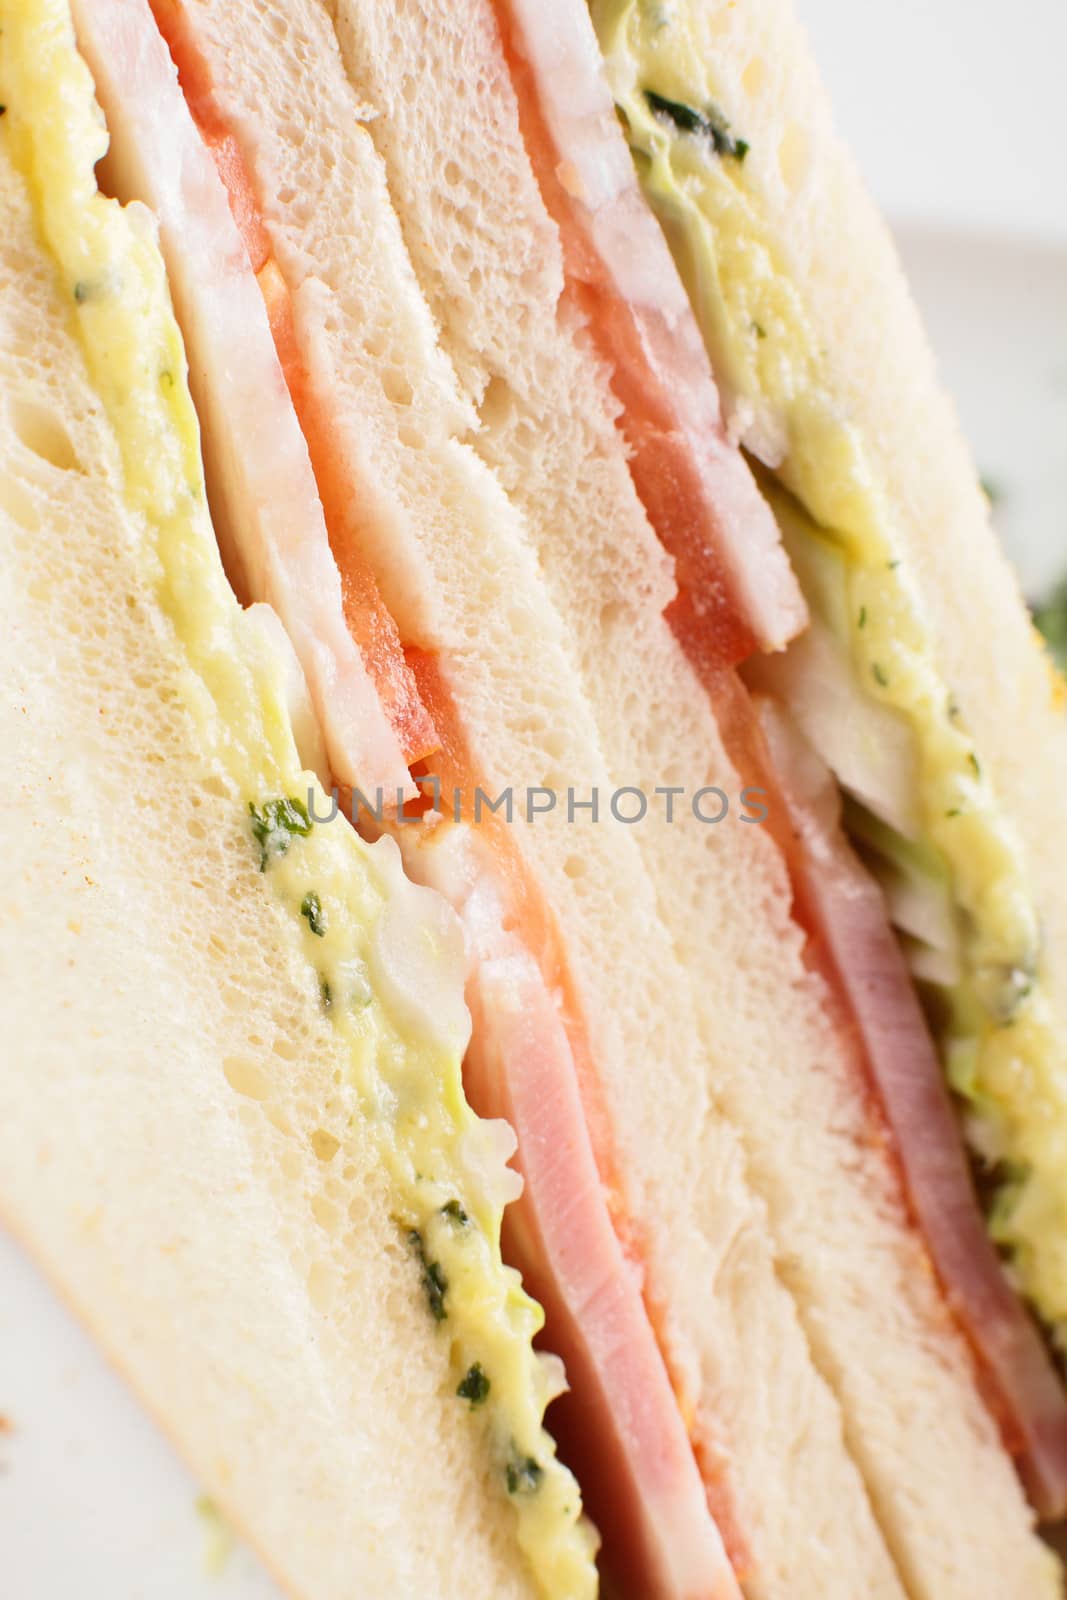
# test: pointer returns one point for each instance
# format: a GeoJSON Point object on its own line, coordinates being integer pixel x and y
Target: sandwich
{"type": "Point", "coordinates": [535, 882]}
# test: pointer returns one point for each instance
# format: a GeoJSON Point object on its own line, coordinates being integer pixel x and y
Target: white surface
{"type": "Point", "coordinates": [93, 1501]}
{"type": "Point", "coordinates": [996, 308]}
{"type": "Point", "coordinates": [958, 113]}
{"type": "Point", "coordinates": [956, 109]}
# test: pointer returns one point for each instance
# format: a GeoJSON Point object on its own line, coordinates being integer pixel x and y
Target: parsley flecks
{"type": "Point", "coordinates": [524, 1475]}
{"type": "Point", "coordinates": [455, 1213]}
{"type": "Point", "coordinates": [975, 764]}
{"type": "Point", "coordinates": [880, 675]}
{"type": "Point", "coordinates": [434, 1282]}
{"type": "Point", "coordinates": [710, 122]}
{"type": "Point", "coordinates": [276, 825]}
{"type": "Point", "coordinates": [325, 994]}
{"type": "Point", "coordinates": [311, 908]}
{"type": "Point", "coordinates": [474, 1385]}
{"type": "Point", "coordinates": [862, 623]}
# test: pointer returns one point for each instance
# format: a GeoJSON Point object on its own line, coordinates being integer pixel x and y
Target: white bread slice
{"type": "Point", "coordinates": [174, 1146]}
{"type": "Point", "coordinates": [489, 263]}
{"type": "Point", "coordinates": [452, 559]}
{"type": "Point", "coordinates": [487, 257]}
{"type": "Point", "coordinates": [842, 260]}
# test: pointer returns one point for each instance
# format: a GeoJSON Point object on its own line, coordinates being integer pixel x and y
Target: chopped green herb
{"type": "Point", "coordinates": [311, 907]}
{"type": "Point", "coordinates": [991, 489]}
{"type": "Point", "coordinates": [862, 620]}
{"type": "Point", "coordinates": [975, 766]}
{"type": "Point", "coordinates": [275, 826]}
{"type": "Point", "coordinates": [893, 565]}
{"type": "Point", "coordinates": [474, 1385]}
{"type": "Point", "coordinates": [759, 330]}
{"type": "Point", "coordinates": [434, 1282]}
{"type": "Point", "coordinates": [953, 708]}
{"type": "Point", "coordinates": [524, 1475]}
{"type": "Point", "coordinates": [82, 291]}
{"type": "Point", "coordinates": [167, 377]}
{"type": "Point", "coordinates": [954, 812]}
{"type": "Point", "coordinates": [455, 1213]}
{"type": "Point", "coordinates": [880, 675]}
{"type": "Point", "coordinates": [325, 994]}
{"type": "Point", "coordinates": [710, 122]}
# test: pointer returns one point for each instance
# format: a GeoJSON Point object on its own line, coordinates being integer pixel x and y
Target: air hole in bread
{"type": "Point", "coordinates": [42, 432]}
{"type": "Point", "coordinates": [246, 1077]}
{"type": "Point", "coordinates": [396, 387]}
{"type": "Point", "coordinates": [18, 505]}
{"type": "Point", "coordinates": [324, 1144]}
{"type": "Point", "coordinates": [325, 1213]}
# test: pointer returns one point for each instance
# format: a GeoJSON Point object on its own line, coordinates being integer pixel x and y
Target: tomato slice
{"type": "Point", "coordinates": [370, 622]}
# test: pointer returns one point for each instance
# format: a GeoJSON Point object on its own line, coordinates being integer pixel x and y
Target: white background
{"type": "Point", "coordinates": [958, 112]}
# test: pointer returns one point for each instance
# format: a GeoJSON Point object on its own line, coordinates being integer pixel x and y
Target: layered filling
{"type": "Point", "coordinates": [297, 531]}
{"type": "Point", "coordinates": [286, 495]}
{"type": "Point", "coordinates": [384, 958]}
{"type": "Point", "coordinates": [863, 682]}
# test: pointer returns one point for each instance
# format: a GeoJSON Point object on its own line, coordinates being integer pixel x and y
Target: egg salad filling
{"type": "Point", "coordinates": [384, 958]}
{"type": "Point", "coordinates": [953, 869]}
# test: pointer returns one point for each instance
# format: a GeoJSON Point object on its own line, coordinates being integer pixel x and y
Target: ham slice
{"type": "Point", "coordinates": [847, 914]}
{"type": "Point", "coordinates": [624, 1431]}
{"type": "Point", "coordinates": [272, 517]}
{"type": "Point", "coordinates": [700, 496]}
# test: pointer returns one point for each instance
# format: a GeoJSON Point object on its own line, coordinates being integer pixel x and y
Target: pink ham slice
{"type": "Point", "coordinates": [272, 526]}
{"type": "Point", "coordinates": [624, 1430]}
{"type": "Point", "coordinates": [848, 915]}
{"type": "Point", "coordinates": [701, 498]}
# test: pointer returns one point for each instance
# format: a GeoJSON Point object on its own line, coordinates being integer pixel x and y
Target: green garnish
{"type": "Point", "coordinates": [434, 1282]}
{"type": "Point", "coordinates": [311, 907]}
{"type": "Point", "coordinates": [757, 327]}
{"type": "Point", "coordinates": [1050, 619]}
{"type": "Point", "coordinates": [880, 675]}
{"type": "Point", "coordinates": [275, 827]}
{"type": "Point", "coordinates": [455, 1213]}
{"type": "Point", "coordinates": [474, 1385]}
{"type": "Point", "coordinates": [954, 812]}
{"type": "Point", "coordinates": [524, 1475]}
{"type": "Point", "coordinates": [863, 617]}
{"type": "Point", "coordinates": [325, 994]}
{"type": "Point", "coordinates": [710, 122]}
{"type": "Point", "coordinates": [973, 759]}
